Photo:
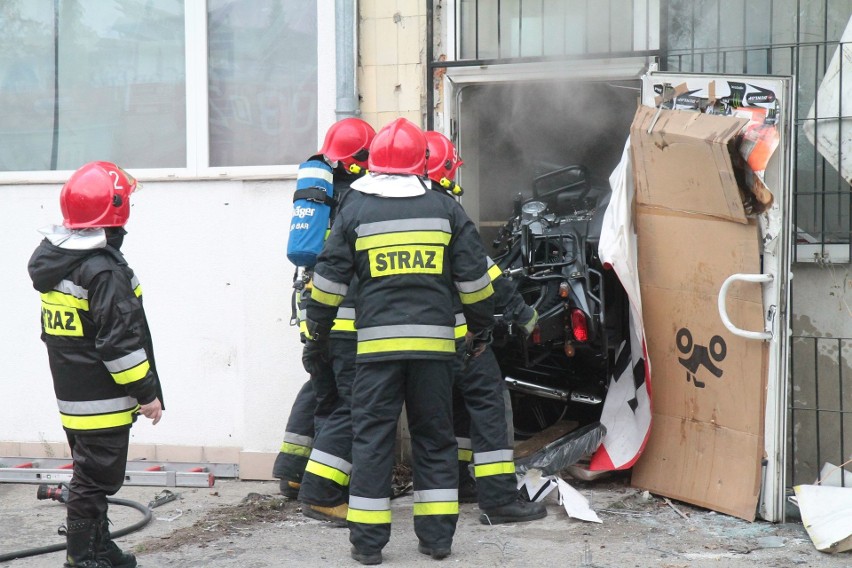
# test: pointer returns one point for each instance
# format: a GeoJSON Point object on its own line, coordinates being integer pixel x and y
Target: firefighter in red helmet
{"type": "Point", "coordinates": [413, 251]}
{"type": "Point", "coordinates": [99, 348]}
{"type": "Point", "coordinates": [481, 407]}
{"type": "Point", "coordinates": [326, 427]}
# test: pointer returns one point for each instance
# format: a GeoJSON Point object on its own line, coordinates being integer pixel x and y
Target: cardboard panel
{"type": "Point", "coordinates": [686, 162]}
{"type": "Point", "coordinates": [709, 476]}
{"type": "Point", "coordinates": [724, 386]}
{"type": "Point", "coordinates": [708, 398]}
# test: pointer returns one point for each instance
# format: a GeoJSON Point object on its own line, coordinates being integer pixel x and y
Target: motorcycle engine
{"type": "Point", "coordinates": [532, 213]}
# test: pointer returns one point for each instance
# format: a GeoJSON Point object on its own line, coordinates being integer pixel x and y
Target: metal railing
{"type": "Point", "coordinates": [819, 407]}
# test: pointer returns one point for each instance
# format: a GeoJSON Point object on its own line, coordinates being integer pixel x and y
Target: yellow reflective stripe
{"type": "Point", "coordinates": [403, 238]}
{"type": "Point", "coordinates": [461, 331]}
{"type": "Point", "coordinates": [478, 296]}
{"type": "Point", "coordinates": [436, 508]}
{"type": "Point", "coordinates": [133, 374]}
{"type": "Point", "coordinates": [368, 517]}
{"type": "Point", "coordinates": [343, 325]}
{"type": "Point", "coordinates": [138, 291]}
{"type": "Point", "coordinates": [303, 327]}
{"type": "Point", "coordinates": [98, 421]}
{"type": "Point", "coordinates": [494, 272]}
{"type": "Point", "coordinates": [295, 449]}
{"type": "Point", "coordinates": [465, 455]}
{"type": "Point", "coordinates": [60, 299]}
{"type": "Point", "coordinates": [498, 468]}
{"type": "Point", "coordinates": [326, 298]}
{"type": "Point", "coordinates": [406, 344]}
{"type": "Point", "coordinates": [326, 472]}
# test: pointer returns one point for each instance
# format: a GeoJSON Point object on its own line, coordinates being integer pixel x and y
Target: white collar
{"type": "Point", "coordinates": [74, 239]}
{"type": "Point", "coordinates": [390, 185]}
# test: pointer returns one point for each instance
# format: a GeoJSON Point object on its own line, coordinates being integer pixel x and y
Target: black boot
{"type": "Point", "coordinates": [82, 536]}
{"type": "Point", "coordinates": [436, 552]}
{"type": "Point", "coordinates": [110, 551]}
{"type": "Point", "coordinates": [517, 511]}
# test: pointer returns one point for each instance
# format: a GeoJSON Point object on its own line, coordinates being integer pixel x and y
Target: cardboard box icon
{"type": "Point", "coordinates": [708, 385]}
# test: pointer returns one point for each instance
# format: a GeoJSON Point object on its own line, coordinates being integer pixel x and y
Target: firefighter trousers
{"type": "Point", "coordinates": [298, 437]}
{"type": "Point", "coordinates": [326, 480]}
{"type": "Point", "coordinates": [325, 391]}
{"type": "Point", "coordinates": [99, 464]}
{"type": "Point", "coordinates": [481, 424]}
{"type": "Point", "coordinates": [380, 388]}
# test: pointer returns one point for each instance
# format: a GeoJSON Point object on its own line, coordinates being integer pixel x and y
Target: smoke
{"type": "Point", "coordinates": [512, 133]}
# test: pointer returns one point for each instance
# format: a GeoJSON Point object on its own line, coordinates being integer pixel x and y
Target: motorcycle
{"type": "Point", "coordinates": [549, 248]}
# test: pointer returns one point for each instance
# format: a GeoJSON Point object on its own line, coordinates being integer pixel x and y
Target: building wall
{"type": "Point", "coordinates": [211, 260]}
{"type": "Point", "coordinates": [210, 256]}
{"type": "Point", "coordinates": [391, 70]}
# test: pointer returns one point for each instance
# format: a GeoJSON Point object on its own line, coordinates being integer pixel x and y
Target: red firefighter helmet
{"type": "Point", "coordinates": [348, 141]}
{"type": "Point", "coordinates": [97, 195]}
{"type": "Point", "coordinates": [443, 158]}
{"type": "Point", "coordinates": [399, 148]}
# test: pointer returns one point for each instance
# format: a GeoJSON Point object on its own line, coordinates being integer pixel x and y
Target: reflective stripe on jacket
{"type": "Point", "coordinates": [413, 257]}
{"type": "Point", "coordinates": [97, 338]}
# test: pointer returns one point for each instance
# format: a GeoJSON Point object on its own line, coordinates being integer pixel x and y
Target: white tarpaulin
{"type": "Point", "coordinates": [829, 122]}
{"type": "Point", "coordinates": [627, 407]}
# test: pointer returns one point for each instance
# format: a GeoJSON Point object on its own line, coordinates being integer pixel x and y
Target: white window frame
{"type": "Point", "coordinates": [197, 108]}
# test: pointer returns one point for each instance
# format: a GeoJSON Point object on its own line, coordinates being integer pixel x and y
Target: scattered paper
{"type": "Point", "coordinates": [830, 476]}
{"type": "Point", "coordinates": [827, 516]}
{"type": "Point", "coordinates": [575, 504]}
{"type": "Point", "coordinates": [538, 487]}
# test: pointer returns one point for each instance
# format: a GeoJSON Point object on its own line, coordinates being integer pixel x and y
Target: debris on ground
{"type": "Point", "coordinates": [224, 521]}
{"type": "Point", "coordinates": [401, 482]}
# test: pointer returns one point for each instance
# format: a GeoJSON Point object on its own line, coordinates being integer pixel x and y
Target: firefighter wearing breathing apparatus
{"type": "Point", "coordinates": [99, 348]}
{"type": "Point", "coordinates": [322, 187]}
{"type": "Point", "coordinates": [325, 485]}
{"type": "Point", "coordinates": [481, 411]}
{"type": "Point", "coordinates": [412, 250]}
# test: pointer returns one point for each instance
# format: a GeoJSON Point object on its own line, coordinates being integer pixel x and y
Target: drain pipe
{"type": "Point", "coordinates": [346, 54]}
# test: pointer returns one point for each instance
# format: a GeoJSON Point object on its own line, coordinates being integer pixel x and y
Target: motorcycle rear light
{"type": "Point", "coordinates": [579, 325]}
{"type": "Point", "coordinates": [536, 335]}
{"type": "Point", "coordinates": [563, 289]}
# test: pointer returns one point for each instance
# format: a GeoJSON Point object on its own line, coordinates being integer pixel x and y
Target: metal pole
{"type": "Point", "coordinates": [345, 53]}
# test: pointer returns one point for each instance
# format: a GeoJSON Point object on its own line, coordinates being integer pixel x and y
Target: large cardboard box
{"type": "Point", "coordinates": [708, 385]}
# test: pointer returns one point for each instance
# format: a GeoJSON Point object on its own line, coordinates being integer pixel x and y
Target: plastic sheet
{"type": "Point", "coordinates": [564, 451]}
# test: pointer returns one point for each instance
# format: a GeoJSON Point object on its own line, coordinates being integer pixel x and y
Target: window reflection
{"type": "Point", "coordinates": [83, 80]}
{"type": "Point", "coordinates": [262, 81]}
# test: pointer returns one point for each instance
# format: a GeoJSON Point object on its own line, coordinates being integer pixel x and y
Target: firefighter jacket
{"type": "Point", "coordinates": [94, 327]}
{"type": "Point", "coordinates": [411, 255]}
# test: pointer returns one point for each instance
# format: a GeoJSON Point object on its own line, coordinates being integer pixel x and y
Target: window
{"type": "Point", "coordinates": [177, 88]}
{"type": "Point", "coordinates": [770, 39]}
{"type": "Point", "coordinates": [263, 81]}
{"type": "Point", "coordinates": [81, 81]}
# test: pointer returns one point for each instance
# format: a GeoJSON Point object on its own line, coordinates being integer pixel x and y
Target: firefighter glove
{"type": "Point", "coordinates": [475, 344]}
{"type": "Point", "coordinates": [527, 320]}
{"type": "Point", "coordinates": [315, 356]}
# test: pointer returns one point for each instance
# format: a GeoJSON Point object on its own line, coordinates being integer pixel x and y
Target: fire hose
{"type": "Point", "coordinates": [59, 494]}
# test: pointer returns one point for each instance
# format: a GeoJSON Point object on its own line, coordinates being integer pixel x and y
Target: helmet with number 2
{"type": "Point", "coordinates": [97, 195]}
